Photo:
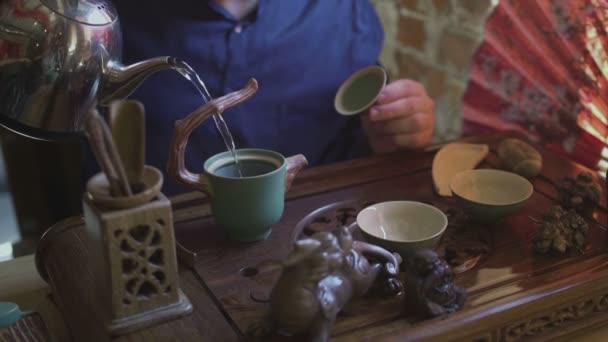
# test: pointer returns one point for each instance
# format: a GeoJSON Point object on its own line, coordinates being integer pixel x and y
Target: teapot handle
{"type": "Point", "coordinates": [294, 165]}
{"type": "Point", "coordinates": [176, 165]}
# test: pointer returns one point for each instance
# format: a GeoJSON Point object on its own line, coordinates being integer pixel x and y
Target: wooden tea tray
{"type": "Point", "coordinates": [512, 294]}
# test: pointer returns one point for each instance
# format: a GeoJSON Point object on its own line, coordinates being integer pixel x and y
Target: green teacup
{"type": "Point", "coordinates": [246, 207]}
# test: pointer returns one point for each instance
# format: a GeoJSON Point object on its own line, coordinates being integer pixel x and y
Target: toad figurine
{"type": "Point", "coordinates": [319, 278]}
{"type": "Point", "coordinates": [429, 286]}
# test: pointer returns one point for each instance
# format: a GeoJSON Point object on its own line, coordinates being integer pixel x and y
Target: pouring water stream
{"type": "Point", "coordinates": [188, 73]}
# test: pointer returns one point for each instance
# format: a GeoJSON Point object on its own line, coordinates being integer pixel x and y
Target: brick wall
{"type": "Point", "coordinates": [432, 41]}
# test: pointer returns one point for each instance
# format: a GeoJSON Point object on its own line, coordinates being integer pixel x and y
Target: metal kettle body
{"type": "Point", "coordinates": [57, 59]}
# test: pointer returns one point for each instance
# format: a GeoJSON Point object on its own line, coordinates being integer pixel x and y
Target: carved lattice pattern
{"type": "Point", "coordinates": [142, 262]}
{"type": "Point", "coordinates": [557, 319]}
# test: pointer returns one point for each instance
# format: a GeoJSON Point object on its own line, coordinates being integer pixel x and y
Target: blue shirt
{"type": "Point", "coordinates": [299, 51]}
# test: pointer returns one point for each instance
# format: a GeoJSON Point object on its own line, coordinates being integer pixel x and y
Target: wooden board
{"type": "Point", "coordinates": [513, 294]}
{"type": "Point", "coordinates": [555, 294]}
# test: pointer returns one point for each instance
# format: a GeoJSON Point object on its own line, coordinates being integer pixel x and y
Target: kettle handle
{"type": "Point", "coordinates": [176, 165]}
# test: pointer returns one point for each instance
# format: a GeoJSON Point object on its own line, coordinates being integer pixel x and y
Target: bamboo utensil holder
{"type": "Point", "coordinates": [133, 255]}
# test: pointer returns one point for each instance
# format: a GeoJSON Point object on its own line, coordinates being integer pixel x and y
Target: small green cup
{"type": "Point", "coordinates": [361, 90]}
{"type": "Point", "coordinates": [247, 207]}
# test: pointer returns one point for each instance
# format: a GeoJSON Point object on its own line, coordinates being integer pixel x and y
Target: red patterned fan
{"type": "Point", "coordinates": [542, 69]}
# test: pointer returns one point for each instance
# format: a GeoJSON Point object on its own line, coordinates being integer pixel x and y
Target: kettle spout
{"type": "Point", "coordinates": [122, 80]}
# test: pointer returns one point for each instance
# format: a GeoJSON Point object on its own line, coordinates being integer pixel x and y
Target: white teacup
{"type": "Point", "coordinates": [402, 226]}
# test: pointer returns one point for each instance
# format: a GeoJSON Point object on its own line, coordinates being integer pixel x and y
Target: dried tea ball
{"type": "Point", "coordinates": [595, 191]}
{"type": "Point", "coordinates": [585, 177]}
{"type": "Point", "coordinates": [520, 157]}
{"type": "Point", "coordinates": [580, 193]}
{"type": "Point", "coordinates": [560, 231]}
{"type": "Point", "coordinates": [560, 244]}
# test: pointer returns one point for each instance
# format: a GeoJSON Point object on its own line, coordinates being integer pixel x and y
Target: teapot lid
{"type": "Point", "coordinates": [90, 12]}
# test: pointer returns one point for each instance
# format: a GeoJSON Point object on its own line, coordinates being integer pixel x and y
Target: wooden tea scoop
{"type": "Point", "coordinates": [127, 122]}
{"type": "Point", "coordinates": [105, 152]}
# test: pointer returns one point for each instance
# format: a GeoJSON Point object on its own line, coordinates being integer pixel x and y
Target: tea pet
{"type": "Point", "coordinates": [319, 278]}
{"type": "Point", "coordinates": [429, 285]}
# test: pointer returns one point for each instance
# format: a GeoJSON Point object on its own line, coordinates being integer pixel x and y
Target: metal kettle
{"type": "Point", "coordinates": [57, 59]}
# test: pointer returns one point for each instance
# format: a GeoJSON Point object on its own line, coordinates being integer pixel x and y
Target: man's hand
{"type": "Point", "coordinates": [403, 117]}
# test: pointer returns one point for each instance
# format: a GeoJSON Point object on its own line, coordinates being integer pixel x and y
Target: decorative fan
{"type": "Point", "coordinates": [542, 69]}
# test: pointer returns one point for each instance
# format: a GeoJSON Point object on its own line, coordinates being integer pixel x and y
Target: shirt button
{"type": "Point", "coordinates": [238, 29]}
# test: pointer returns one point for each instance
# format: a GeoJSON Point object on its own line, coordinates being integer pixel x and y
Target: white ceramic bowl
{"type": "Point", "coordinates": [402, 226]}
{"type": "Point", "coordinates": [490, 195]}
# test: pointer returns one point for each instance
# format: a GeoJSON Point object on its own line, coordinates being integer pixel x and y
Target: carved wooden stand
{"type": "Point", "coordinates": [134, 262]}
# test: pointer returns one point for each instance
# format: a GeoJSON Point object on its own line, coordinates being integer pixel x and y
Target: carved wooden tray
{"type": "Point", "coordinates": [511, 292]}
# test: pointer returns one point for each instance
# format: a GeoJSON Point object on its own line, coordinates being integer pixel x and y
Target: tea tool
{"type": "Point", "coordinates": [127, 123]}
{"type": "Point", "coordinates": [133, 248]}
{"type": "Point", "coordinates": [105, 152]}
